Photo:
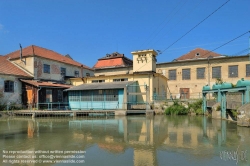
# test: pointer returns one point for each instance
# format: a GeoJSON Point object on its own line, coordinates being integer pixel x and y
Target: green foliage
{"type": "Point", "coordinates": [219, 81]}
{"type": "Point", "coordinates": [234, 113]}
{"type": "Point", "coordinates": [2, 105]}
{"type": "Point", "coordinates": [233, 85]}
{"type": "Point", "coordinates": [176, 109]}
{"type": "Point", "coordinates": [218, 108]}
{"type": "Point", "coordinates": [196, 107]}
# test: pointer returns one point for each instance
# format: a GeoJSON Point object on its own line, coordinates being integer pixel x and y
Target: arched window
{"type": "Point", "coordinates": [8, 86]}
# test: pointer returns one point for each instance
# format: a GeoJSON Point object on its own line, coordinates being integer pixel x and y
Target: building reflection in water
{"type": "Point", "coordinates": [145, 135]}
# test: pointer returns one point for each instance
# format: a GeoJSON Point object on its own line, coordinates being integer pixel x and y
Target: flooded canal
{"type": "Point", "coordinates": [131, 140]}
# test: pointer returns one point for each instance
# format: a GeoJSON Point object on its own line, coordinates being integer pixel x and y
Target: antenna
{"type": "Point", "coordinates": [21, 53]}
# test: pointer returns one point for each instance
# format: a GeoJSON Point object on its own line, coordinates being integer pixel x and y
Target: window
{"type": "Point", "coordinates": [185, 74]}
{"type": "Point", "coordinates": [172, 74]}
{"type": "Point", "coordinates": [8, 86]}
{"type": "Point", "coordinates": [248, 70]}
{"type": "Point", "coordinates": [48, 95]}
{"type": "Point", "coordinates": [63, 71]}
{"type": "Point", "coordinates": [216, 72]}
{"type": "Point", "coordinates": [200, 73]}
{"type": "Point", "coordinates": [120, 79]}
{"type": "Point", "coordinates": [98, 95]}
{"type": "Point", "coordinates": [46, 68]}
{"type": "Point", "coordinates": [76, 73]}
{"type": "Point", "coordinates": [86, 95]}
{"type": "Point", "coordinates": [98, 81]}
{"type": "Point", "coordinates": [111, 95]}
{"type": "Point", "coordinates": [87, 74]}
{"type": "Point", "coordinates": [233, 71]}
{"type": "Point", "coordinates": [74, 95]}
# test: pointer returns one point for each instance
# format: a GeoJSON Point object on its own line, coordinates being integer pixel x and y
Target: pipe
{"type": "Point", "coordinates": [39, 88]}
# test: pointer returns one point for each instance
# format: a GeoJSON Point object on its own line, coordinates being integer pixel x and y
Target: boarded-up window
{"type": "Point", "coordinates": [172, 74]}
{"type": "Point", "coordinates": [200, 73]}
{"type": "Point", "coordinates": [248, 70]}
{"type": "Point", "coordinates": [185, 74]}
{"type": "Point", "coordinates": [216, 72]}
{"type": "Point", "coordinates": [233, 71]}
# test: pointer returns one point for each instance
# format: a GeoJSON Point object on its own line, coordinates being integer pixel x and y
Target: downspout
{"type": "Point", "coordinates": [39, 88]}
{"type": "Point", "coordinates": [82, 70]}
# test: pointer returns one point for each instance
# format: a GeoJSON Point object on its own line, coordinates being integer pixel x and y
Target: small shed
{"type": "Point", "coordinates": [99, 96]}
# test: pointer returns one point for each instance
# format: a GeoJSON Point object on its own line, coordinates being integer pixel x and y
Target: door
{"type": "Point", "coordinates": [30, 96]}
{"type": "Point", "coordinates": [184, 93]}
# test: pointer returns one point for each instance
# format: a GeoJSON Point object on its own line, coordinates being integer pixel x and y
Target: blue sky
{"type": "Point", "coordinates": [89, 29]}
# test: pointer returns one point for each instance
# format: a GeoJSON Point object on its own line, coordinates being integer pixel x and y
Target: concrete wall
{"type": "Point", "coordinates": [12, 97]}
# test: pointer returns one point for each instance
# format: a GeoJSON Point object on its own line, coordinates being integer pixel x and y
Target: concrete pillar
{"type": "Point", "coordinates": [147, 97]}
{"type": "Point", "coordinates": [125, 99]}
{"type": "Point", "coordinates": [223, 105]}
{"type": "Point", "coordinates": [204, 103]}
{"type": "Point", "coordinates": [120, 112]}
{"type": "Point", "coordinates": [247, 95]}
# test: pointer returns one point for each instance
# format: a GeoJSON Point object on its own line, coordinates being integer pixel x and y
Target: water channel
{"type": "Point", "coordinates": [126, 140]}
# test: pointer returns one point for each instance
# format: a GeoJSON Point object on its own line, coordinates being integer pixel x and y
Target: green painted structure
{"type": "Point", "coordinates": [242, 86]}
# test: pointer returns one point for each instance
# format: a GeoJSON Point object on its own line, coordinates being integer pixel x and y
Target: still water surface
{"type": "Point", "coordinates": [131, 140]}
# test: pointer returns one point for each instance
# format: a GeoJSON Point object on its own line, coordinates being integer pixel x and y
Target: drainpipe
{"type": "Point", "coordinates": [39, 88]}
{"type": "Point", "coordinates": [82, 70]}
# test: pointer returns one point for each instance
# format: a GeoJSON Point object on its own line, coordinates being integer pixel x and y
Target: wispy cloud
{"type": "Point", "coordinates": [3, 30]}
{"type": "Point", "coordinates": [1, 27]}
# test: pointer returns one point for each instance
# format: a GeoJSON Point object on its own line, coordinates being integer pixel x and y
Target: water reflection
{"type": "Point", "coordinates": [141, 140]}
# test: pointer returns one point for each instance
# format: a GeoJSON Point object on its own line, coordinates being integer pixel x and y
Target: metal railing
{"type": "Point", "coordinates": [53, 106]}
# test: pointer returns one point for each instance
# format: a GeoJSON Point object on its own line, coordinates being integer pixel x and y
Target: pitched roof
{"type": "Point", "coordinates": [198, 53]}
{"type": "Point", "coordinates": [6, 67]}
{"type": "Point", "coordinates": [108, 85]}
{"type": "Point", "coordinates": [45, 84]}
{"type": "Point", "coordinates": [113, 60]}
{"type": "Point", "coordinates": [45, 53]}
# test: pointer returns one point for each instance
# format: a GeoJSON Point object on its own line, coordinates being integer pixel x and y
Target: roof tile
{"type": "Point", "coordinates": [6, 67]}
{"type": "Point", "coordinates": [45, 84]}
{"type": "Point", "coordinates": [198, 53]}
{"type": "Point", "coordinates": [113, 60]}
{"type": "Point", "coordinates": [45, 53]}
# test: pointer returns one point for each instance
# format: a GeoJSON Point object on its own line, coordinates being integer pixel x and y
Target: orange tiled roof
{"type": "Point", "coordinates": [45, 84]}
{"type": "Point", "coordinates": [197, 54]}
{"type": "Point", "coordinates": [113, 60]}
{"type": "Point", "coordinates": [6, 67]}
{"type": "Point", "coordinates": [45, 53]}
